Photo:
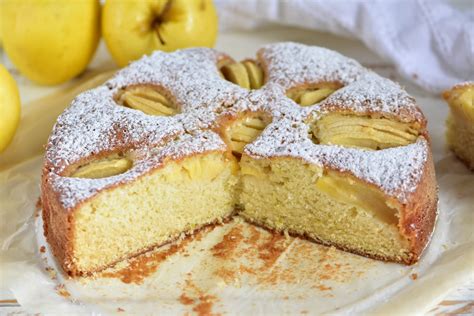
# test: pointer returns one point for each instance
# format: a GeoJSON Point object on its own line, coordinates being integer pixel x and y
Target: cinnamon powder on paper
{"type": "Point", "coordinates": [140, 267]}
{"type": "Point", "coordinates": [186, 300]}
{"type": "Point", "coordinates": [203, 303]}
{"type": "Point", "coordinates": [229, 243]}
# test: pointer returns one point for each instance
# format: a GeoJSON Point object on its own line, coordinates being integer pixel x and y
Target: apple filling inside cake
{"type": "Point", "coordinates": [363, 132]}
{"type": "Point", "coordinates": [306, 96]}
{"type": "Point", "coordinates": [243, 131]}
{"type": "Point", "coordinates": [248, 74]}
{"type": "Point", "coordinates": [110, 166]}
{"type": "Point", "coordinates": [148, 99]}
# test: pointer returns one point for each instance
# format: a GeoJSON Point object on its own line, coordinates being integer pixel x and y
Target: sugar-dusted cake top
{"type": "Point", "coordinates": [95, 124]}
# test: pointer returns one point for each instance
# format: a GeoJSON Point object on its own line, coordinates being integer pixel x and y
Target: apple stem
{"type": "Point", "coordinates": [159, 19]}
{"type": "Point", "coordinates": [162, 41]}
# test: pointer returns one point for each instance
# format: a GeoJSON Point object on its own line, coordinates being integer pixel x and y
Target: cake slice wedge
{"type": "Point", "coordinates": [460, 122]}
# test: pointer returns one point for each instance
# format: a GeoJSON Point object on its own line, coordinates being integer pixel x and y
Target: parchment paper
{"type": "Point", "coordinates": [251, 272]}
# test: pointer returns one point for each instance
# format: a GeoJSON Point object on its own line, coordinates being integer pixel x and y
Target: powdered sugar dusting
{"type": "Point", "coordinates": [94, 123]}
{"type": "Point", "coordinates": [291, 64]}
{"type": "Point", "coordinates": [374, 94]}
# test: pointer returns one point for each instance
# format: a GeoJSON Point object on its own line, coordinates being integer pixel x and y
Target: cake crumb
{"type": "Point", "coordinates": [414, 276]}
{"type": "Point", "coordinates": [61, 290]}
{"type": "Point", "coordinates": [42, 249]}
{"type": "Point", "coordinates": [323, 288]}
{"type": "Point", "coordinates": [51, 272]}
{"type": "Point", "coordinates": [38, 207]}
{"type": "Point", "coordinates": [120, 310]}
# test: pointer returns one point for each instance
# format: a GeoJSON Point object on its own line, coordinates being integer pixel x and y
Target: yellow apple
{"type": "Point", "coordinates": [1, 36]}
{"type": "Point", "coordinates": [50, 41]}
{"type": "Point", "coordinates": [132, 29]}
{"type": "Point", "coordinates": [9, 107]}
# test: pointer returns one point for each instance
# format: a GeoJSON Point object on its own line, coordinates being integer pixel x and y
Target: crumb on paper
{"type": "Point", "coordinates": [38, 207]}
{"type": "Point", "coordinates": [42, 249]}
{"type": "Point", "coordinates": [51, 272]}
{"type": "Point", "coordinates": [414, 276]}
{"type": "Point", "coordinates": [120, 310]}
{"type": "Point", "coordinates": [61, 290]}
{"type": "Point", "coordinates": [323, 287]}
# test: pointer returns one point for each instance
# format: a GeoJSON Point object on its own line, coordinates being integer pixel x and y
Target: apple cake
{"type": "Point", "coordinates": [300, 140]}
{"type": "Point", "coordinates": [460, 122]}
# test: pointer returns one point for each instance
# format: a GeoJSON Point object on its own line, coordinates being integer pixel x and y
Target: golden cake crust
{"type": "Point", "coordinates": [208, 104]}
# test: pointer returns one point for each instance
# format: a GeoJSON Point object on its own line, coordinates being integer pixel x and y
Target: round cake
{"type": "Point", "coordinates": [300, 140]}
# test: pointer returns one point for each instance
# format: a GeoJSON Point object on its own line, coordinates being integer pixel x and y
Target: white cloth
{"type": "Point", "coordinates": [430, 42]}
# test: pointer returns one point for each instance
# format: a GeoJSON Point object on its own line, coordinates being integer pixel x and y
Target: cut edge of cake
{"type": "Point", "coordinates": [160, 206]}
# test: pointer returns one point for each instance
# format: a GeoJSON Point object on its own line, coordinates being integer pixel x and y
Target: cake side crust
{"type": "Point", "coordinates": [420, 213]}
